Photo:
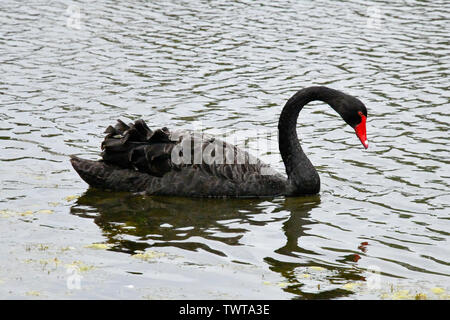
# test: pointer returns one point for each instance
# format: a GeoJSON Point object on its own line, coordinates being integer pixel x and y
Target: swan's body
{"type": "Point", "coordinates": [138, 159]}
{"type": "Point", "coordinates": [161, 176]}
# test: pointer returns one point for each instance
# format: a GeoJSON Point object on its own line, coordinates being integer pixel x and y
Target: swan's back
{"type": "Point", "coordinates": [183, 163]}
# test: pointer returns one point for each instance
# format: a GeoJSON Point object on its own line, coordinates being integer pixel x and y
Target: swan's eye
{"type": "Point", "coordinates": [362, 114]}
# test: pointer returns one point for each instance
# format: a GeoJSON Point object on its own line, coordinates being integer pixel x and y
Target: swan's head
{"type": "Point", "coordinates": [354, 112]}
{"type": "Point", "coordinates": [350, 108]}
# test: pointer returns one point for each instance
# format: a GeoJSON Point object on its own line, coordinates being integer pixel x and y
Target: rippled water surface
{"type": "Point", "coordinates": [380, 226]}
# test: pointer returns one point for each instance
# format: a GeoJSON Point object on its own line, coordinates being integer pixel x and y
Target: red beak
{"type": "Point", "coordinates": [360, 130]}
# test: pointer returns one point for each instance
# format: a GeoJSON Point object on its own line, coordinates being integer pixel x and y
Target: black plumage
{"type": "Point", "coordinates": [138, 159]}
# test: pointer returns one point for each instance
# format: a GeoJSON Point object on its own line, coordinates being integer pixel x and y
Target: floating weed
{"type": "Point", "coordinates": [54, 204]}
{"type": "Point", "coordinates": [5, 213]}
{"type": "Point", "coordinates": [42, 247]}
{"type": "Point", "coordinates": [438, 291]}
{"type": "Point", "coordinates": [33, 293]}
{"type": "Point", "coordinates": [37, 246]}
{"type": "Point", "coordinates": [311, 275]}
{"type": "Point", "coordinates": [352, 286]}
{"type": "Point", "coordinates": [317, 268]}
{"type": "Point", "coordinates": [98, 246]}
{"type": "Point", "coordinates": [401, 293]}
{"type": "Point", "coordinates": [45, 264]}
{"type": "Point", "coordinates": [70, 198]}
{"type": "Point", "coordinates": [421, 296]}
{"type": "Point", "coordinates": [148, 255]}
{"type": "Point", "coordinates": [12, 213]}
{"type": "Point", "coordinates": [79, 266]}
{"type": "Point", "coordinates": [282, 284]}
{"type": "Point", "coordinates": [278, 284]}
{"type": "Point", "coordinates": [64, 249]}
{"type": "Point", "coordinates": [46, 211]}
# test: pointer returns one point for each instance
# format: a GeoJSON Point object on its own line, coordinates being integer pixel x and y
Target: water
{"type": "Point", "coordinates": [380, 226]}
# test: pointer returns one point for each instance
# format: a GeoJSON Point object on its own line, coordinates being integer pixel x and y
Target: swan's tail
{"type": "Point", "coordinates": [93, 172]}
{"type": "Point", "coordinates": [137, 147]}
{"type": "Point", "coordinates": [99, 174]}
{"type": "Point", "coordinates": [132, 157]}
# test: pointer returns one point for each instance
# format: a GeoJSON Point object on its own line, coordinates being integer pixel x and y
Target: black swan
{"type": "Point", "coordinates": [137, 159]}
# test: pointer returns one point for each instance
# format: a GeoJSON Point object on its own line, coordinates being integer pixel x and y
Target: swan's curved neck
{"type": "Point", "coordinates": [302, 176]}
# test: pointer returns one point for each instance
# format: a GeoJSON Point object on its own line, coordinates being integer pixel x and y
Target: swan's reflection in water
{"type": "Point", "coordinates": [134, 222]}
{"type": "Point", "coordinates": [168, 221]}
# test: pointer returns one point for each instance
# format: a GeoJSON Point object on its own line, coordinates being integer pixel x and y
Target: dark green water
{"type": "Point", "coordinates": [380, 226]}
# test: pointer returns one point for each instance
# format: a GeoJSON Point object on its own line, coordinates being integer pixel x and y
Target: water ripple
{"type": "Point", "coordinates": [232, 65]}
